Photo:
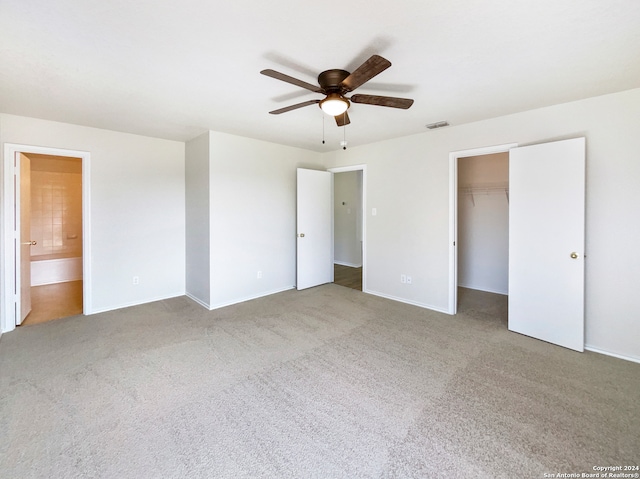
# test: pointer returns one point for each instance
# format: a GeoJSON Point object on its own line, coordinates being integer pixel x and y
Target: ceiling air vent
{"type": "Point", "coordinates": [438, 124]}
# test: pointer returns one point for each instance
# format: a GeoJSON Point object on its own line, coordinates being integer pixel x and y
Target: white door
{"type": "Point", "coordinates": [25, 237]}
{"type": "Point", "coordinates": [315, 228]}
{"type": "Point", "coordinates": [546, 242]}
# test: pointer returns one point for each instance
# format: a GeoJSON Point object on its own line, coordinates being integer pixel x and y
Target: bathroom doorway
{"type": "Point", "coordinates": [55, 253]}
{"type": "Point", "coordinates": [45, 255]}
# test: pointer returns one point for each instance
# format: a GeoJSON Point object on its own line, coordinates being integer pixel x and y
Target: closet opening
{"type": "Point", "coordinates": [479, 230]}
{"type": "Point", "coordinates": [483, 234]}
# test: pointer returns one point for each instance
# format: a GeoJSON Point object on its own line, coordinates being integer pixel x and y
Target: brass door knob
{"type": "Point", "coordinates": [301, 235]}
{"type": "Point", "coordinates": [574, 255]}
{"type": "Point", "coordinates": [31, 243]}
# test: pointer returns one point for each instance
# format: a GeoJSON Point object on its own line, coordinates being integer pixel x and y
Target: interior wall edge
{"type": "Point", "coordinates": [197, 300]}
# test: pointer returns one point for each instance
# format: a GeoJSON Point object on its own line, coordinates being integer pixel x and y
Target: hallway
{"type": "Point", "coordinates": [347, 276]}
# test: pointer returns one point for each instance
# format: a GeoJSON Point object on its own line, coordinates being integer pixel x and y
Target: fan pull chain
{"type": "Point", "coordinates": [344, 131]}
{"type": "Point", "coordinates": [323, 128]}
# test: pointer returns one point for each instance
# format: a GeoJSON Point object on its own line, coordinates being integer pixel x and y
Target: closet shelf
{"type": "Point", "coordinates": [484, 189]}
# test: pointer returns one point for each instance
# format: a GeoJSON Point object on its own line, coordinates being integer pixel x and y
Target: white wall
{"type": "Point", "coordinates": [137, 208]}
{"type": "Point", "coordinates": [253, 216]}
{"type": "Point", "coordinates": [347, 218]}
{"type": "Point", "coordinates": [198, 220]}
{"type": "Point", "coordinates": [483, 223]}
{"type": "Point", "coordinates": [408, 181]}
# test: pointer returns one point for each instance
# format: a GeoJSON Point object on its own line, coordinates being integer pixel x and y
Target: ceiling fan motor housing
{"type": "Point", "coordinates": [330, 80]}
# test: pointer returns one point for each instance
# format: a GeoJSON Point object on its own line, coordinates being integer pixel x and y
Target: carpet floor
{"type": "Point", "coordinates": [323, 383]}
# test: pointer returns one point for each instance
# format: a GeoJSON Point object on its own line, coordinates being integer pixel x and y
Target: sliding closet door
{"type": "Point", "coordinates": [546, 242]}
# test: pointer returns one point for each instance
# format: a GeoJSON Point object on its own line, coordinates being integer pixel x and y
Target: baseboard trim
{"type": "Point", "coordinates": [406, 301]}
{"type": "Point", "coordinates": [249, 298]}
{"type": "Point", "coordinates": [200, 302]}
{"type": "Point", "coordinates": [504, 293]}
{"type": "Point", "coordinates": [136, 303]}
{"type": "Point", "coordinates": [350, 265]}
{"type": "Point", "coordinates": [633, 359]}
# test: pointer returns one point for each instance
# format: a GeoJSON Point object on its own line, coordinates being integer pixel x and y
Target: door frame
{"type": "Point", "coordinates": [9, 254]}
{"type": "Point", "coordinates": [453, 213]}
{"type": "Point", "coordinates": [363, 168]}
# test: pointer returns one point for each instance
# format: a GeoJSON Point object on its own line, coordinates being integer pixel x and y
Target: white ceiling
{"type": "Point", "coordinates": [176, 68]}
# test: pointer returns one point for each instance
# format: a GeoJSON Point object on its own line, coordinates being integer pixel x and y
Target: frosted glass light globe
{"type": "Point", "coordinates": [334, 104]}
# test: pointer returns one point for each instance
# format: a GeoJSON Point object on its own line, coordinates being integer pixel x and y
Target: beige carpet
{"type": "Point", "coordinates": [323, 383]}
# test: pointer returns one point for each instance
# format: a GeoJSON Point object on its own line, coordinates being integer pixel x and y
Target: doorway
{"type": "Point", "coordinates": [349, 221]}
{"type": "Point", "coordinates": [315, 259]}
{"type": "Point", "coordinates": [60, 268]}
{"type": "Point", "coordinates": [55, 253]}
{"type": "Point", "coordinates": [483, 236]}
{"type": "Point", "coordinates": [480, 196]}
{"type": "Point", "coordinates": [546, 239]}
{"type": "Point", "coordinates": [483, 223]}
{"type": "Point", "coordinates": [347, 229]}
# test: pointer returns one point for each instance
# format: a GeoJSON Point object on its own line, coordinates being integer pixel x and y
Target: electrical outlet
{"type": "Point", "coordinates": [408, 279]}
{"type": "Point", "coordinates": [136, 280]}
{"type": "Point", "coordinates": [403, 278]}
{"type": "Point", "coordinates": [259, 274]}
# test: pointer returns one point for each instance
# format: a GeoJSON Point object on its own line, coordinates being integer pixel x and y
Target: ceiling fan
{"type": "Point", "coordinates": [336, 84]}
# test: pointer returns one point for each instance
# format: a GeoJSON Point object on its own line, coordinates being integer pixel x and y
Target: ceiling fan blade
{"type": "Point", "coordinates": [391, 101]}
{"type": "Point", "coordinates": [294, 107]}
{"type": "Point", "coordinates": [293, 81]}
{"type": "Point", "coordinates": [342, 119]}
{"type": "Point", "coordinates": [365, 72]}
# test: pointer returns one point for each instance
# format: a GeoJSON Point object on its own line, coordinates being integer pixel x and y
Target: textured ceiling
{"type": "Point", "coordinates": [174, 69]}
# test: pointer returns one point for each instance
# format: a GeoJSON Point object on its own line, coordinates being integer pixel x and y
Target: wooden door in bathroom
{"type": "Point", "coordinates": [25, 237]}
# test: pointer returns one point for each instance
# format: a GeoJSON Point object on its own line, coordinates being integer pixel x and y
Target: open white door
{"type": "Point", "coordinates": [25, 237]}
{"type": "Point", "coordinates": [546, 242]}
{"type": "Point", "coordinates": [315, 228]}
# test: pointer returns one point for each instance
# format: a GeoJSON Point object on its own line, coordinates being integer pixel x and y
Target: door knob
{"type": "Point", "coordinates": [574, 255]}
{"type": "Point", "coordinates": [301, 235]}
{"type": "Point", "coordinates": [31, 243]}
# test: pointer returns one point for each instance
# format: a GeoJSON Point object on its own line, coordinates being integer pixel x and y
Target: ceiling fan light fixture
{"type": "Point", "coordinates": [334, 104]}
{"type": "Point", "coordinates": [337, 83]}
